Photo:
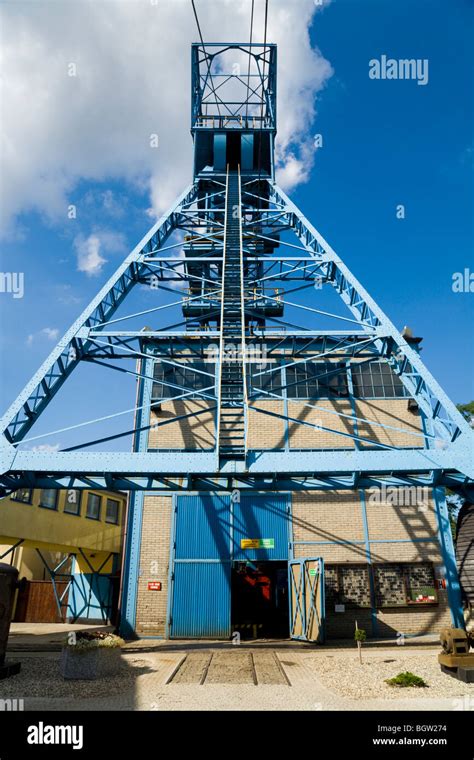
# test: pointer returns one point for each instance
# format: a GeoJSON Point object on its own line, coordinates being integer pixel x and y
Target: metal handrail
{"type": "Point", "coordinates": [242, 309]}
{"type": "Point", "coordinates": [221, 339]}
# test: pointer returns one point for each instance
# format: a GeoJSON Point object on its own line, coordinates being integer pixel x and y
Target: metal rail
{"type": "Point", "coordinates": [221, 338]}
{"type": "Point", "coordinates": [242, 310]}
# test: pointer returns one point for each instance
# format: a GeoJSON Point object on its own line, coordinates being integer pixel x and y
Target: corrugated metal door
{"type": "Point", "coordinates": [261, 525]}
{"type": "Point", "coordinates": [200, 588]}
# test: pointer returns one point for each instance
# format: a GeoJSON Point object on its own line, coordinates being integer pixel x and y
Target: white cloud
{"type": "Point", "coordinates": [89, 259]}
{"type": "Point", "coordinates": [50, 332]}
{"type": "Point", "coordinates": [89, 250]}
{"type": "Point", "coordinates": [132, 80]}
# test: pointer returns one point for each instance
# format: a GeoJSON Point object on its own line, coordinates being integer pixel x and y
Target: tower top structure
{"type": "Point", "coordinates": [233, 108]}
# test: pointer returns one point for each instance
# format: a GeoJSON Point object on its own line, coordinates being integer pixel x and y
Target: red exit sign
{"type": "Point", "coordinates": [154, 585]}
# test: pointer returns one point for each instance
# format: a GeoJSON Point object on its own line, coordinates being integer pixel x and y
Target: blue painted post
{"type": "Point", "coordinates": [368, 556]}
{"type": "Point", "coordinates": [446, 543]}
{"type": "Point", "coordinates": [322, 634]}
{"type": "Point", "coordinates": [135, 513]}
{"type": "Point", "coordinates": [131, 565]}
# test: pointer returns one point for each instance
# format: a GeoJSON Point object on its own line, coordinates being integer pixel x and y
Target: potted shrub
{"type": "Point", "coordinates": [90, 654]}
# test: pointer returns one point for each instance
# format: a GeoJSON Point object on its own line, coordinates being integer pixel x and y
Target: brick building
{"type": "Point", "coordinates": [383, 561]}
{"type": "Point", "coordinates": [299, 461]}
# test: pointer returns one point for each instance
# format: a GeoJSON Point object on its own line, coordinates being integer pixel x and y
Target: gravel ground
{"type": "Point", "coordinates": [325, 680]}
{"type": "Point", "coordinates": [40, 677]}
{"type": "Point", "coordinates": [342, 674]}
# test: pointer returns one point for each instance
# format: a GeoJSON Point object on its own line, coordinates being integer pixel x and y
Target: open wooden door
{"type": "Point", "coordinates": [306, 597]}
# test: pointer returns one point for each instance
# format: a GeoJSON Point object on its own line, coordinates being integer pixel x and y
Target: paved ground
{"type": "Point", "coordinates": [44, 636]}
{"type": "Point", "coordinates": [50, 636]}
{"type": "Point", "coordinates": [243, 678]}
{"type": "Point", "coordinates": [210, 675]}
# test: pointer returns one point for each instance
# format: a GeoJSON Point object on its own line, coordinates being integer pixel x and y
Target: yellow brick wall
{"type": "Point", "coordinates": [264, 431]}
{"type": "Point", "coordinates": [408, 620]}
{"type": "Point", "coordinates": [154, 565]}
{"type": "Point", "coordinates": [327, 516]}
{"type": "Point", "coordinates": [191, 433]}
{"type": "Point", "coordinates": [337, 516]}
{"type": "Point", "coordinates": [405, 522]}
{"type": "Point", "coordinates": [305, 437]}
{"type": "Point", "coordinates": [267, 432]}
{"type": "Point", "coordinates": [392, 412]}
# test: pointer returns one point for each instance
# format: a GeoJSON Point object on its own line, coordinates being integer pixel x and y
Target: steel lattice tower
{"type": "Point", "coordinates": [227, 241]}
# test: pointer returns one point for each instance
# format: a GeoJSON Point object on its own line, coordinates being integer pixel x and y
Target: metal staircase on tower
{"type": "Point", "coordinates": [232, 322]}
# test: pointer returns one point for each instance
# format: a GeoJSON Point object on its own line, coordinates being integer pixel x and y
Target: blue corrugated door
{"type": "Point", "coordinates": [262, 519]}
{"type": "Point", "coordinates": [200, 604]}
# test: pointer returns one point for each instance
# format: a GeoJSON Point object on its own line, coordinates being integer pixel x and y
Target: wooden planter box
{"type": "Point", "coordinates": [89, 664]}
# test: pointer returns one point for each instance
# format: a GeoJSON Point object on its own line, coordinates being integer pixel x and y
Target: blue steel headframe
{"type": "Point", "coordinates": [266, 212]}
{"type": "Point", "coordinates": [233, 86]}
{"type": "Point", "coordinates": [450, 462]}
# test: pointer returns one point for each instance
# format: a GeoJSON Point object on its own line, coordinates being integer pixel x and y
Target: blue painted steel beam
{"type": "Point", "coordinates": [292, 462]}
{"type": "Point", "coordinates": [260, 482]}
{"type": "Point", "coordinates": [445, 537]}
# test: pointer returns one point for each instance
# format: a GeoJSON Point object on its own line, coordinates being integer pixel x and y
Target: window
{"type": "Point", "coordinates": [401, 585]}
{"type": "Point", "coordinates": [112, 511]}
{"type": "Point", "coordinates": [49, 498]}
{"type": "Point", "coordinates": [316, 380]}
{"type": "Point", "coordinates": [23, 495]}
{"type": "Point", "coordinates": [170, 380]}
{"type": "Point", "coordinates": [348, 585]}
{"type": "Point", "coordinates": [269, 381]}
{"type": "Point", "coordinates": [93, 506]}
{"type": "Point", "coordinates": [376, 380]}
{"type": "Point", "coordinates": [72, 504]}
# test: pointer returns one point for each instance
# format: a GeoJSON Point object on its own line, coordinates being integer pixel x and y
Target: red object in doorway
{"type": "Point", "coordinates": [265, 587]}
{"type": "Point", "coordinates": [260, 581]}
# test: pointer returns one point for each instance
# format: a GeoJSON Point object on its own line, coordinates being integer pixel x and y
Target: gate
{"type": "Point", "coordinates": [200, 579]}
{"type": "Point", "coordinates": [38, 602]}
{"type": "Point", "coordinates": [306, 598]}
{"type": "Point", "coordinates": [210, 532]}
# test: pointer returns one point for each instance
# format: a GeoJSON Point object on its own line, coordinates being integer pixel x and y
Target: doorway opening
{"type": "Point", "coordinates": [259, 594]}
{"type": "Point", "coordinates": [233, 150]}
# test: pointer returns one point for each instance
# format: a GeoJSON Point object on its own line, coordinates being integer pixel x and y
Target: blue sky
{"type": "Point", "coordinates": [396, 142]}
{"type": "Point", "coordinates": [384, 143]}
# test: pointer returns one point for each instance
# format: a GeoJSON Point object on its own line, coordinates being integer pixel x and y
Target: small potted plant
{"type": "Point", "coordinates": [90, 654]}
